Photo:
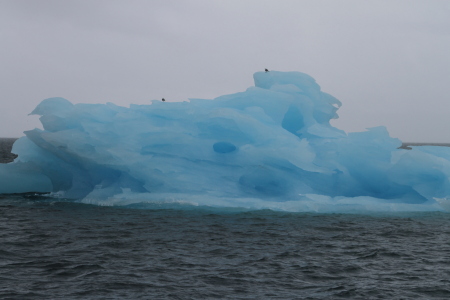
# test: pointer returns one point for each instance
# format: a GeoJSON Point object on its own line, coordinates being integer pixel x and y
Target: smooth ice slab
{"type": "Point", "coordinates": [271, 146]}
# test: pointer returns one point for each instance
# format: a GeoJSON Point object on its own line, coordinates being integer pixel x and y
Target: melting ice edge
{"type": "Point", "coordinates": [270, 147]}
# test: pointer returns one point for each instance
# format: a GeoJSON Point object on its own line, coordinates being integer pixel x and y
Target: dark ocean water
{"type": "Point", "coordinates": [64, 250]}
{"type": "Point", "coordinates": [53, 249]}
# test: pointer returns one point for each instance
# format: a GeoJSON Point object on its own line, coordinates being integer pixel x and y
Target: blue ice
{"type": "Point", "coordinates": [269, 147]}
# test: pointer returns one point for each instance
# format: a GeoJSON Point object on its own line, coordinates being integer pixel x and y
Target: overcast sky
{"type": "Point", "coordinates": [387, 61]}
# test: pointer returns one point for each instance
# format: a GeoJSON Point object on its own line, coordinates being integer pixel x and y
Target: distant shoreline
{"type": "Point", "coordinates": [5, 150]}
{"type": "Point", "coordinates": [6, 145]}
{"type": "Point", "coordinates": [407, 145]}
{"type": "Point", "coordinates": [403, 143]}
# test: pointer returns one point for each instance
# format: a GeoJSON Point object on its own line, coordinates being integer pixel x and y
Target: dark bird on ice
{"type": "Point", "coordinates": [266, 70]}
{"type": "Point", "coordinates": [163, 100]}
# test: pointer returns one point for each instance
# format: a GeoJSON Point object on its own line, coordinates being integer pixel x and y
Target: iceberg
{"type": "Point", "coordinates": [269, 147]}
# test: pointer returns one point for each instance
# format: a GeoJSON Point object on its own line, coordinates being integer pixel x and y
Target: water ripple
{"type": "Point", "coordinates": [62, 250]}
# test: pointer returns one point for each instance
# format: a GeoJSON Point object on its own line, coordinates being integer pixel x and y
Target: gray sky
{"type": "Point", "coordinates": [388, 61]}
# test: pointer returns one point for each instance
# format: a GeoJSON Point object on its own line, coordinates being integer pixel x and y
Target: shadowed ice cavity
{"type": "Point", "coordinates": [271, 146]}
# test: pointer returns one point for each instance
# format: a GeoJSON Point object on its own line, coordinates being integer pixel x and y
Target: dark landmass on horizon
{"type": "Point", "coordinates": [6, 146]}
{"type": "Point", "coordinates": [5, 150]}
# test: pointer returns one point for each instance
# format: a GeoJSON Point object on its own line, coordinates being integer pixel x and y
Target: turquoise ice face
{"type": "Point", "coordinates": [271, 146]}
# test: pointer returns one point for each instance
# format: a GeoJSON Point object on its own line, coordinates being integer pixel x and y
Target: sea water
{"type": "Point", "coordinates": [64, 250]}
